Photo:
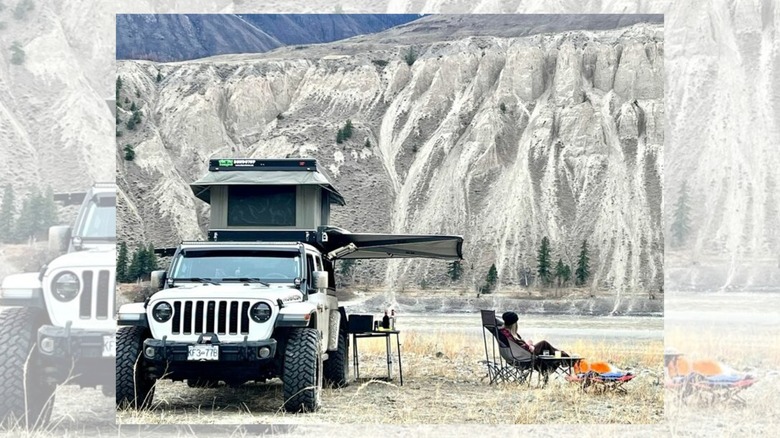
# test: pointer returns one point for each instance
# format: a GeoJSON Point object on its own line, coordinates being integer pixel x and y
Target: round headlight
{"type": "Point", "coordinates": [65, 286]}
{"type": "Point", "coordinates": [260, 312]}
{"type": "Point", "coordinates": [162, 312]}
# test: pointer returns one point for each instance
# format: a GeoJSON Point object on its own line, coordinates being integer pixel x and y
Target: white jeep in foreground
{"type": "Point", "coordinates": [60, 324]}
{"type": "Point", "coordinates": [235, 312]}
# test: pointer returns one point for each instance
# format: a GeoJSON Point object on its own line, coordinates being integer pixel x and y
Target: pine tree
{"type": "Point", "coordinates": [583, 264]}
{"type": "Point", "coordinates": [340, 136]}
{"type": "Point", "coordinates": [159, 77]}
{"type": "Point", "coordinates": [129, 152]}
{"type": "Point", "coordinates": [346, 267]}
{"type": "Point", "coordinates": [7, 214]}
{"type": "Point", "coordinates": [560, 271]}
{"type": "Point", "coordinates": [133, 107]}
{"type": "Point", "coordinates": [25, 225]}
{"type": "Point", "coordinates": [118, 88]}
{"type": "Point", "coordinates": [455, 270]}
{"type": "Point", "coordinates": [543, 261]}
{"type": "Point", "coordinates": [492, 278]}
{"type": "Point", "coordinates": [410, 57]}
{"type": "Point", "coordinates": [48, 212]}
{"type": "Point", "coordinates": [143, 261]}
{"type": "Point", "coordinates": [367, 144]}
{"type": "Point", "coordinates": [347, 129]}
{"type": "Point", "coordinates": [135, 270]}
{"type": "Point", "coordinates": [151, 259]}
{"type": "Point", "coordinates": [566, 274]}
{"type": "Point", "coordinates": [681, 222]}
{"type": "Point", "coordinates": [121, 263]}
{"type": "Point", "coordinates": [131, 124]}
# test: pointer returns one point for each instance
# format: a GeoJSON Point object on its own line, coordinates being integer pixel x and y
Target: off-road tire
{"type": "Point", "coordinates": [336, 368]}
{"type": "Point", "coordinates": [302, 371]}
{"type": "Point", "coordinates": [25, 398]}
{"type": "Point", "coordinates": [134, 389]}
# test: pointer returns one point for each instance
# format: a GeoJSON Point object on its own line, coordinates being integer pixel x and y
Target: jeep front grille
{"type": "Point", "coordinates": [220, 317]}
{"type": "Point", "coordinates": [96, 290]}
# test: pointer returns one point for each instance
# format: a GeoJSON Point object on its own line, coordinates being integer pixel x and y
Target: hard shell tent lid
{"type": "Point", "coordinates": [253, 172]}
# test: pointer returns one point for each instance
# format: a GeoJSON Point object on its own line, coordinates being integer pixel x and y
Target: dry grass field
{"type": "Point", "coordinates": [751, 346]}
{"type": "Point", "coordinates": [443, 384]}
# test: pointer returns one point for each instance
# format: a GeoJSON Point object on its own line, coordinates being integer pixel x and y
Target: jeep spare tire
{"type": "Point", "coordinates": [302, 380]}
{"type": "Point", "coordinates": [134, 388]}
{"type": "Point", "coordinates": [22, 382]}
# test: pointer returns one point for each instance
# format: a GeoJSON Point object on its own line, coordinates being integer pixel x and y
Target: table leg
{"type": "Point", "coordinates": [389, 358]}
{"type": "Point", "coordinates": [355, 360]}
{"type": "Point", "coordinates": [400, 369]}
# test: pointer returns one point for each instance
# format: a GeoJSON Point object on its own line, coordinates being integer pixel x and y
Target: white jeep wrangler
{"type": "Point", "coordinates": [254, 302]}
{"type": "Point", "coordinates": [236, 312]}
{"type": "Point", "coordinates": [61, 325]}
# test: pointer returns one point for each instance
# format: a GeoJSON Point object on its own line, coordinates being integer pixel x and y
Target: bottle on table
{"type": "Point", "coordinates": [392, 319]}
{"type": "Point", "coordinates": [385, 321]}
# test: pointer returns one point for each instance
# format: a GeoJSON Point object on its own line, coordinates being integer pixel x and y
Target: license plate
{"type": "Point", "coordinates": [109, 346]}
{"type": "Point", "coordinates": [203, 352]}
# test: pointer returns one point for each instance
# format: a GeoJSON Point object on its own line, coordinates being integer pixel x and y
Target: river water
{"type": "Point", "coordinates": [557, 329]}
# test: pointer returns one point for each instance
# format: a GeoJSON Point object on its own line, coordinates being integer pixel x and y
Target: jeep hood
{"type": "Point", "coordinates": [229, 291]}
{"type": "Point", "coordinates": [93, 258]}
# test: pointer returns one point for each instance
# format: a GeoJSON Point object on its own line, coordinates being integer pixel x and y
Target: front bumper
{"type": "Point", "coordinates": [80, 344]}
{"type": "Point", "coordinates": [159, 351]}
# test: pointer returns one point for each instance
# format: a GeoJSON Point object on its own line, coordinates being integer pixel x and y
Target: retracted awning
{"type": "Point", "coordinates": [341, 244]}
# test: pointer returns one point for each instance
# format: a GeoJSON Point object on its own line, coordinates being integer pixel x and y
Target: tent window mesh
{"type": "Point", "coordinates": [266, 206]}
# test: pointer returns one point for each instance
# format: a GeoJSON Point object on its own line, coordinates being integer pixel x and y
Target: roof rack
{"type": "Point", "coordinates": [282, 164]}
{"type": "Point", "coordinates": [72, 198]}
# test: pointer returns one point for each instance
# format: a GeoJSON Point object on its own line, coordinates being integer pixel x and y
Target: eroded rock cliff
{"type": "Point", "coordinates": [503, 140]}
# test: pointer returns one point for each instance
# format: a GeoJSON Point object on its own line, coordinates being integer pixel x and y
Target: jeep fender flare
{"type": "Point", "coordinates": [133, 314]}
{"type": "Point", "coordinates": [23, 290]}
{"type": "Point", "coordinates": [338, 322]}
{"type": "Point", "coordinates": [302, 314]}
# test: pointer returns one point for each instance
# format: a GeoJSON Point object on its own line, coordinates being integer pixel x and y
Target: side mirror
{"type": "Point", "coordinates": [158, 279]}
{"type": "Point", "coordinates": [59, 239]}
{"type": "Point", "coordinates": [319, 280]}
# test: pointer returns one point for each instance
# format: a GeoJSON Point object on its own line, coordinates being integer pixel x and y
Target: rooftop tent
{"type": "Point", "coordinates": [251, 172]}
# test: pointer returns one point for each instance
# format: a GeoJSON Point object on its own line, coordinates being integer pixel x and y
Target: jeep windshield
{"type": "Point", "coordinates": [237, 265]}
{"type": "Point", "coordinates": [99, 220]}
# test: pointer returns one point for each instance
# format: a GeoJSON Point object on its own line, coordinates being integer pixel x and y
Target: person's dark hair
{"type": "Point", "coordinates": [509, 318]}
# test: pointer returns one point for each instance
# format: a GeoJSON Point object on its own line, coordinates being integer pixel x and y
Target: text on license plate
{"type": "Point", "coordinates": [203, 352]}
{"type": "Point", "coordinates": [109, 346]}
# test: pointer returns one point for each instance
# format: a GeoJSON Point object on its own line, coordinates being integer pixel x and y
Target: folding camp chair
{"type": "Point", "coordinates": [512, 363]}
{"type": "Point", "coordinates": [494, 362]}
{"type": "Point", "coordinates": [677, 375]}
{"type": "Point", "coordinates": [600, 376]}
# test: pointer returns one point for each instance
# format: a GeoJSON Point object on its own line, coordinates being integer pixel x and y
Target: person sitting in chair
{"type": "Point", "coordinates": [509, 330]}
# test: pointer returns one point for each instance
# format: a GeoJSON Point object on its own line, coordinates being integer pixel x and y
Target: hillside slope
{"type": "Point", "coordinates": [503, 140]}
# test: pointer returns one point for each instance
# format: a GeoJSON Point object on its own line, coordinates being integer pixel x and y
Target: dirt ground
{"type": "Point", "coordinates": [442, 385]}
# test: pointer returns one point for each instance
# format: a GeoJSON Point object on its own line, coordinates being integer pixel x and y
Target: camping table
{"type": "Point", "coordinates": [388, 346]}
{"type": "Point", "coordinates": [566, 364]}
{"type": "Point", "coordinates": [670, 357]}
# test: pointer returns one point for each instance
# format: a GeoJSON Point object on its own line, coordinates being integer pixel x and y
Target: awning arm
{"type": "Point", "coordinates": [341, 252]}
